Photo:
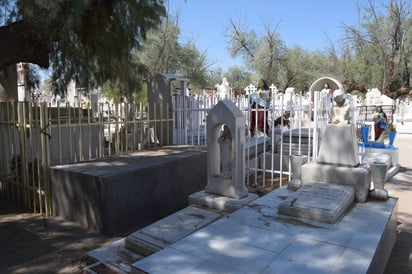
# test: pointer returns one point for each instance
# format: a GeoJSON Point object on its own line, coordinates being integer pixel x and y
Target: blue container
{"type": "Point", "coordinates": [365, 134]}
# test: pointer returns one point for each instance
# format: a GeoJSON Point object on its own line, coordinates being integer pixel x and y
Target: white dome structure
{"type": "Point", "coordinates": [319, 84]}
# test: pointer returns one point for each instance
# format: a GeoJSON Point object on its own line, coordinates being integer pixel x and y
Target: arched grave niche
{"type": "Point", "coordinates": [225, 180]}
{"type": "Point", "coordinates": [223, 152]}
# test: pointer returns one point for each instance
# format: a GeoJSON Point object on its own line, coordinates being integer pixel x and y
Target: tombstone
{"type": "Point", "coordinates": [332, 181]}
{"type": "Point", "coordinates": [160, 96]}
{"type": "Point", "coordinates": [317, 201]}
{"type": "Point", "coordinates": [225, 189]}
{"type": "Point", "coordinates": [338, 161]}
{"type": "Point", "coordinates": [335, 178]}
{"type": "Point", "coordinates": [225, 161]}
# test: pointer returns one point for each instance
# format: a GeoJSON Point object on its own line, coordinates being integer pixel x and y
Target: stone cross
{"type": "Point", "coordinates": [250, 89]}
{"type": "Point", "coordinates": [273, 89]}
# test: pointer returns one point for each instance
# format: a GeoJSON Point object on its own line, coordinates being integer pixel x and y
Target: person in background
{"type": "Point", "coordinates": [259, 102]}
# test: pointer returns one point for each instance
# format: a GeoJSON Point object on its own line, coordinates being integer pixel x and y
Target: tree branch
{"type": "Point", "coordinates": [21, 43]}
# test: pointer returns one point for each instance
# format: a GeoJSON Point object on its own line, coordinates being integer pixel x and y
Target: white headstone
{"type": "Point", "coordinates": [339, 146]}
{"type": "Point", "coordinates": [225, 160]}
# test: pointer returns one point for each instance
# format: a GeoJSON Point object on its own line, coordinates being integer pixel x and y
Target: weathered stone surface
{"type": "Point", "coordinates": [359, 178]}
{"type": "Point", "coordinates": [166, 231]}
{"type": "Point", "coordinates": [257, 239]}
{"type": "Point", "coordinates": [120, 194]}
{"type": "Point", "coordinates": [322, 202]}
{"type": "Point", "coordinates": [225, 204]}
{"type": "Point", "coordinates": [339, 146]}
{"type": "Point", "coordinates": [230, 152]}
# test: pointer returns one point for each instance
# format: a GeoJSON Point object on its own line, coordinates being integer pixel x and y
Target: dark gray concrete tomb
{"type": "Point", "coordinates": [119, 194]}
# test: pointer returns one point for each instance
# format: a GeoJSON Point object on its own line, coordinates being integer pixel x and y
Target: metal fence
{"type": "Point", "coordinates": [34, 137]}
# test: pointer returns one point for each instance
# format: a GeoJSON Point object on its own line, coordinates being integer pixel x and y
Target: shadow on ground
{"type": "Point", "coordinates": [30, 243]}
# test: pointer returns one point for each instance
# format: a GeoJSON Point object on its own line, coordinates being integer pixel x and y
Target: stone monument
{"type": "Point", "coordinates": [331, 182]}
{"type": "Point", "coordinates": [338, 158]}
{"type": "Point", "coordinates": [340, 108]}
{"type": "Point", "coordinates": [225, 189]}
{"type": "Point", "coordinates": [223, 90]}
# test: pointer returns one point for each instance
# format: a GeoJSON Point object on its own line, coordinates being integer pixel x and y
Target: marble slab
{"type": "Point", "coordinates": [257, 239]}
{"type": "Point", "coordinates": [113, 257]}
{"type": "Point", "coordinates": [220, 203]}
{"type": "Point", "coordinates": [322, 202]}
{"type": "Point", "coordinates": [166, 231]}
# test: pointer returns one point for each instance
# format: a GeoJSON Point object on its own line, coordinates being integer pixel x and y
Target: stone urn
{"type": "Point", "coordinates": [378, 174]}
{"type": "Point", "coordinates": [296, 162]}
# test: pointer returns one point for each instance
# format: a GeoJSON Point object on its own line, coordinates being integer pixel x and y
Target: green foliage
{"type": "Point", "coordinates": [392, 127]}
{"type": "Point", "coordinates": [193, 64]}
{"type": "Point", "coordinates": [379, 47]}
{"type": "Point", "coordinates": [120, 45]}
{"type": "Point", "coordinates": [159, 52]}
{"type": "Point", "coordinates": [238, 77]}
{"type": "Point", "coordinates": [91, 40]}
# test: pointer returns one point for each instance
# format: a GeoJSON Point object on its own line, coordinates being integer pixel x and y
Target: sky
{"type": "Point", "coordinates": [310, 24]}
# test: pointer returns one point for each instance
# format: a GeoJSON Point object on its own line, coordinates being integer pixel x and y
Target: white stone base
{"type": "Point", "coordinates": [256, 239]}
{"type": "Point", "coordinates": [225, 204]}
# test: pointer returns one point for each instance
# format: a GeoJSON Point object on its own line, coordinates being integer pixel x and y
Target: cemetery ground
{"type": "Point", "coordinates": [30, 243]}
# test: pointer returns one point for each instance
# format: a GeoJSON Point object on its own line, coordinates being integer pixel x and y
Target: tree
{"type": "Point", "coordinates": [297, 71]}
{"type": "Point", "coordinates": [264, 55]}
{"type": "Point", "coordinates": [382, 37]}
{"type": "Point", "coordinates": [162, 52]}
{"type": "Point", "coordinates": [91, 39]}
{"type": "Point", "coordinates": [238, 78]}
{"type": "Point", "coordinates": [193, 64]}
{"type": "Point", "coordinates": [159, 52]}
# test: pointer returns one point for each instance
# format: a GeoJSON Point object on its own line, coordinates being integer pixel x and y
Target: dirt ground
{"type": "Point", "coordinates": [30, 243]}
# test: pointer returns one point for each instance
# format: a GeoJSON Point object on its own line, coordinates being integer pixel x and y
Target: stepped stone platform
{"type": "Point", "coordinates": [164, 232]}
{"type": "Point", "coordinates": [120, 194]}
{"type": "Point", "coordinates": [257, 239]}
